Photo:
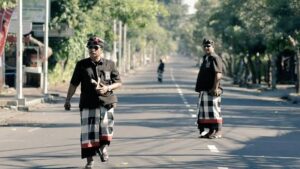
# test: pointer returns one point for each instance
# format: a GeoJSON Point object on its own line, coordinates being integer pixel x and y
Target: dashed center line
{"type": "Point", "coordinates": [213, 148]}
{"type": "Point", "coordinates": [182, 95]}
{"type": "Point", "coordinates": [33, 129]}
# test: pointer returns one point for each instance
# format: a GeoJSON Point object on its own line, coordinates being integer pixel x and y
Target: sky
{"type": "Point", "coordinates": [191, 4]}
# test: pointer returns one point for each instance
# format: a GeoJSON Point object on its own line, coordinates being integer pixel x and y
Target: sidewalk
{"type": "Point", "coordinates": [9, 103]}
{"type": "Point", "coordinates": [286, 92]}
{"type": "Point", "coordinates": [31, 95]}
{"type": "Point", "coordinates": [282, 91]}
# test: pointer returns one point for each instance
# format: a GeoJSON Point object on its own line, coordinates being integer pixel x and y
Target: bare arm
{"type": "Point", "coordinates": [102, 89]}
{"type": "Point", "coordinates": [42, 48]}
{"type": "Point", "coordinates": [217, 80]}
{"type": "Point", "coordinates": [115, 86]}
{"type": "Point", "coordinates": [70, 93]}
{"type": "Point", "coordinates": [215, 91]}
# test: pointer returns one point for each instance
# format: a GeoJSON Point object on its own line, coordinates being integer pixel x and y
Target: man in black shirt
{"type": "Point", "coordinates": [160, 70]}
{"type": "Point", "coordinates": [209, 88]}
{"type": "Point", "coordinates": [98, 78]}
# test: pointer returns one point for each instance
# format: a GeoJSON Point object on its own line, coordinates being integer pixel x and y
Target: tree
{"type": "Point", "coordinates": [96, 17]}
{"type": "Point", "coordinates": [4, 4]}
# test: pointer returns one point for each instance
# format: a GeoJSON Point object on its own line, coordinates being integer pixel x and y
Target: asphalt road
{"type": "Point", "coordinates": [155, 128]}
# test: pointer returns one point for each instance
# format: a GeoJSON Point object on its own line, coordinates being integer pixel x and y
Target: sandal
{"type": "Point", "coordinates": [89, 164]}
{"type": "Point", "coordinates": [104, 156]}
{"type": "Point", "coordinates": [207, 135]}
{"type": "Point", "coordinates": [103, 153]}
{"type": "Point", "coordinates": [215, 136]}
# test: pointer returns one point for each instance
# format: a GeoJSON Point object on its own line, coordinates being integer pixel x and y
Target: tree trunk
{"type": "Point", "coordinates": [269, 72]}
{"type": "Point", "coordinates": [259, 70]}
{"type": "Point", "coordinates": [252, 69]}
{"type": "Point", "coordinates": [295, 44]}
{"type": "Point", "coordinates": [246, 68]}
{"type": "Point", "coordinates": [298, 71]}
{"type": "Point", "coordinates": [273, 71]}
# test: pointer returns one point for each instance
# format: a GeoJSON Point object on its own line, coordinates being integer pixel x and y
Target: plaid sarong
{"type": "Point", "coordinates": [96, 126]}
{"type": "Point", "coordinates": [159, 75]}
{"type": "Point", "coordinates": [209, 109]}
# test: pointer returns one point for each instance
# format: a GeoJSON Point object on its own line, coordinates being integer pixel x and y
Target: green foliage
{"type": "Point", "coordinates": [88, 17]}
{"type": "Point", "coordinates": [4, 4]}
{"type": "Point", "coordinates": [247, 28]}
{"type": "Point", "coordinates": [202, 29]}
{"type": "Point", "coordinates": [246, 25]}
{"type": "Point", "coordinates": [175, 20]}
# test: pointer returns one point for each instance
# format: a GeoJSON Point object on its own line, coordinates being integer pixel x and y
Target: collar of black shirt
{"type": "Point", "coordinates": [100, 62]}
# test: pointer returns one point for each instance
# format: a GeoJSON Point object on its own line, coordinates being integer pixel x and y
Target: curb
{"type": "Point", "coordinates": [26, 104]}
{"type": "Point", "coordinates": [294, 98]}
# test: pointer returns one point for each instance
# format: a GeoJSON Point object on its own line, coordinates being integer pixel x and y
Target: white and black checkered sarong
{"type": "Point", "coordinates": [96, 126]}
{"type": "Point", "coordinates": [209, 109]}
{"type": "Point", "coordinates": [159, 75]}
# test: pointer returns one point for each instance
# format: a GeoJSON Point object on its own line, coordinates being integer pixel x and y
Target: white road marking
{"type": "Point", "coordinates": [14, 129]}
{"type": "Point", "coordinates": [33, 129]}
{"type": "Point", "coordinates": [181, 94]}
{"type": "Point", "coordinates": [194, 115]}
{"type": "Point", "coordinates": [213, 148]}
{"type": "Point", "coordinates": [124, 163]}
{"type": "Point", "coordinates": [222, 168]}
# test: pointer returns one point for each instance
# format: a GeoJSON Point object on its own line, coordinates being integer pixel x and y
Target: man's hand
{"type": "Point", "coordinates": [95, 83]}
{"type": "Point", "coordinates": [102, 89]}
{"type": "Point", "coordinates": [67, 105]}
{"type": "Point", "coordinates": [215, 92]}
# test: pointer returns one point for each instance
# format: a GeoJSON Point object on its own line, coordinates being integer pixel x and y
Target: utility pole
{"type": "Point", "coordinates": [19, 65]}
{"type": "Point", "coordinates": [124, 48]}
{"type": "Point", "coordinates": [129, 56]}
{"type": "Point", "coordinates": [120, 47]}
{"type": "Point", "coordinates": [2, 76]}
{"type": "Point", "coordinates": [114, 53]}
{"type": "Point", "coordinates": [45, 79]}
